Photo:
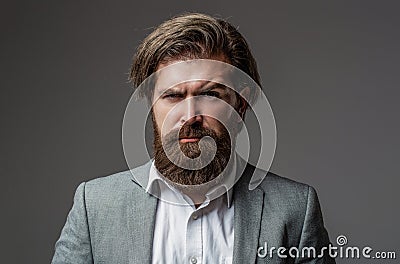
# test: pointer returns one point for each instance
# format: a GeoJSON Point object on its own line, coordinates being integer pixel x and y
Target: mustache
{"type": "Point", "coordinates": [189, 131]}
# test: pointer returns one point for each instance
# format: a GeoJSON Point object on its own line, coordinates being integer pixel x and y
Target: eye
{"type": "Point", "coordinates": [172, 96]}
{"type": "Point", "coordinates": [212, 94]}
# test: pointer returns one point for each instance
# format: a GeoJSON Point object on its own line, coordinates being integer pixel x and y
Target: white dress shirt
{"type": "Point", "coordinates": [185, 234]}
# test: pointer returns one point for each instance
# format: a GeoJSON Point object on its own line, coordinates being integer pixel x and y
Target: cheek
{"type": "Point", "coordinates": [220, 114]}
{"type": "Point", "coordinates": [214, 124]}
{"type": "Point", "coordinates": [165, 119]}
{"type": "Point", "coordinates": [159, 115]}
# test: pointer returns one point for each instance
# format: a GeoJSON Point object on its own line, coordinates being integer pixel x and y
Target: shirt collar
{"type": "Point", "coordinates": [170, 194]}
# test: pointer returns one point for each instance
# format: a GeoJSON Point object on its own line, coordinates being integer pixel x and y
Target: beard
{"type": "Point", "coordinates": [195, 155]}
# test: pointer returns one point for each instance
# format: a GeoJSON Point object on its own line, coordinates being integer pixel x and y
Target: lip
{"type": "Point", "coordinates": [189, 140]}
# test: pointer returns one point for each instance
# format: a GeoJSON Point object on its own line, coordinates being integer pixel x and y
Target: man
{"type": "Point", "coordinates": [181, 207]}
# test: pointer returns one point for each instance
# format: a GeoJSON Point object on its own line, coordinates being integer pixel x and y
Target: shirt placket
{"type": "Point", "coordinates": [194, 239]}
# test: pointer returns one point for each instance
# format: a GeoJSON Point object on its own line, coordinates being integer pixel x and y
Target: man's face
{"type": "Point", "coordinates": [189, 111]}
{"type": "Point", "coordinates": [193, 101]}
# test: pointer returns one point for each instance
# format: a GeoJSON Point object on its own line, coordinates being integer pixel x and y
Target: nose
{"type": "Point", "coordinates": [191, 112]}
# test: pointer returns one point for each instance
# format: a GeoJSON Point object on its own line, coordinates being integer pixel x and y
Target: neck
{"type": "Point", "coordinates": [197, 197]}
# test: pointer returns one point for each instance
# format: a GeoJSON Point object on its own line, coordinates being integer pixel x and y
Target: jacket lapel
{"type": "Point", "coordinates": [248, 206]}
{"type": "Point", "coordinates": [142, 211]}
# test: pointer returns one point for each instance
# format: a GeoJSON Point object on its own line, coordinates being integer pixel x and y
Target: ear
{"type": "Point", "coordinates": [242, 104]}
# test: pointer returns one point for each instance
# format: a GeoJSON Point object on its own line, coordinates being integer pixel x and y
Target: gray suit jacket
{"type": "Point", "coordinates": [112, 220]}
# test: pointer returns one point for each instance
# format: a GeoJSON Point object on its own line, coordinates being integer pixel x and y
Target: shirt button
{"type": "Point", "coordinates": [193, 260]}
{"type": "Point", "coordinates": [195, 216]}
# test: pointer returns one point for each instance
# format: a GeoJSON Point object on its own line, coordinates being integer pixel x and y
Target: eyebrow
{"type": "Point", "coordinates": [203, 88]}
{"type": "Point", "coordinates": [170, 90]}
{"type": "Point", "coordinates": [217, 85]}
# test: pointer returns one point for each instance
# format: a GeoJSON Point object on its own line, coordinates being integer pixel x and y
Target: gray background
{"type": "Point", "coordinates": [330, 70]}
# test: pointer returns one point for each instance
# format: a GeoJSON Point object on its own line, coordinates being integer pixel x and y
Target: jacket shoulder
{"type": "Point", "coordinates": [115, 180]}
{"type": "Point", "coordinates": [271, 183]}
{"type": "Point", "coordinates": [280, 184]}
{"type": "Point", "coordinates": [111, 188]}
{"type": "Point", "coordinates": [286, 196]}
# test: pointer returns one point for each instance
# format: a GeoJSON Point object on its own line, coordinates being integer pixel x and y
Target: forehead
{"type": "Point", "coordinates": [193, 74]}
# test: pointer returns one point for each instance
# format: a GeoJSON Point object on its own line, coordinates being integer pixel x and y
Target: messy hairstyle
{"type": "Point", "coordinates": [192, 36]}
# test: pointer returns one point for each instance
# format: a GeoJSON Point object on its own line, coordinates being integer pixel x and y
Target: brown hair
{"type": "Point", "coordinates": [192, 36]}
